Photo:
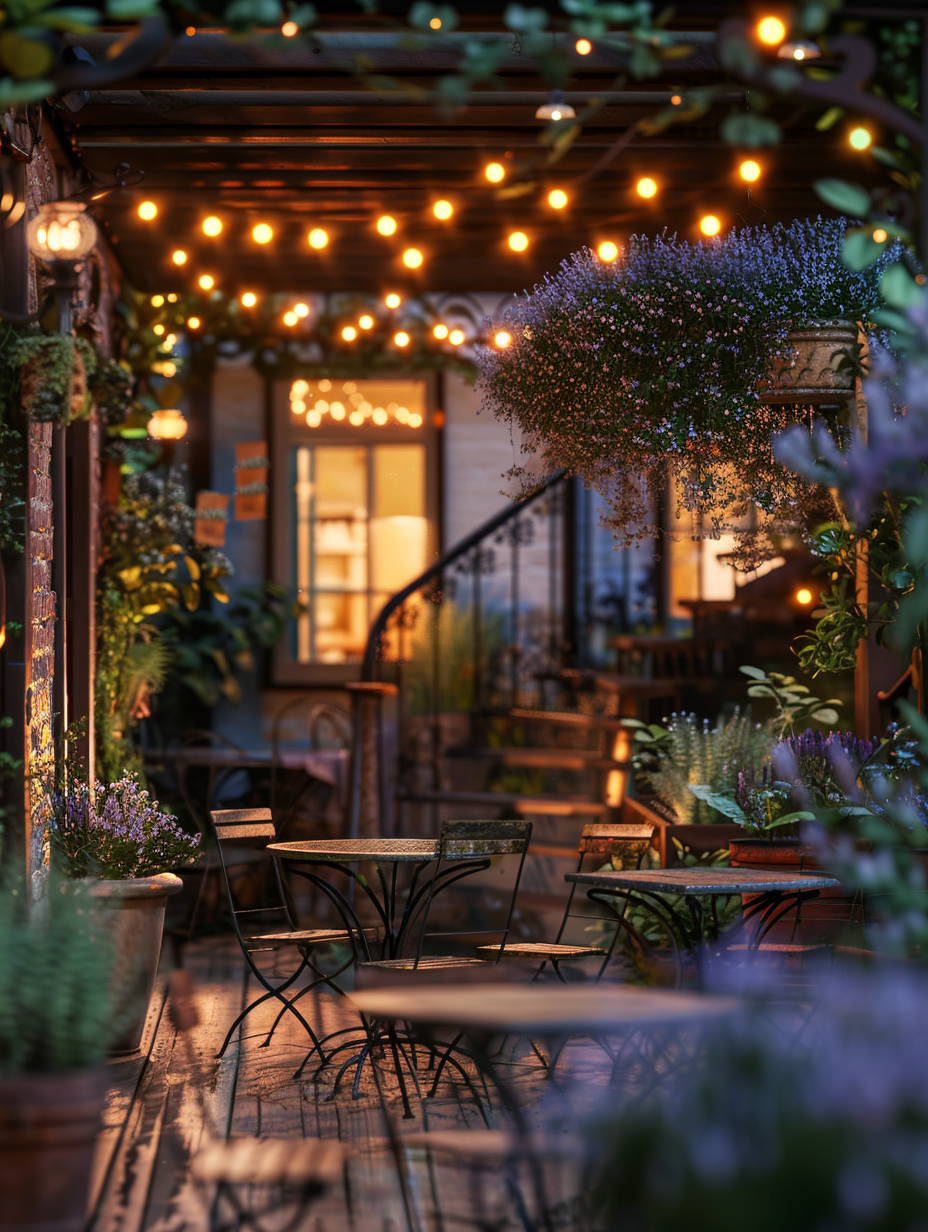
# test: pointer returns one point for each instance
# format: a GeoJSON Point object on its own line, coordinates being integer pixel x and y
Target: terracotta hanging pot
{"type": "Point", "coordinates": [810, 370]}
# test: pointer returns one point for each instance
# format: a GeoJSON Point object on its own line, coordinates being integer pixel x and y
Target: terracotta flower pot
{"type": "Point", "coordinates": [135, 926]}
{"type": "Point", "coordinates": [807, 371]}
{"type": "Point", "coordinates": [48, 1130]}
{"type": "Point", "coordinates": [820, 921]}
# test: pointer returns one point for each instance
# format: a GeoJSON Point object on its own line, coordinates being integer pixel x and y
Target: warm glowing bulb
{"type": "Point", "coordinates": [401, 338]}
{"type": "Point", "coordinates": [583, 47]}
{"type": "Point", "coordinates": [212, 225]}
{"type": "Point", "coordinates": [502, 339]}
{"type": "Point", "coordinates": [337, 411]}
{"type": "Point", "coordinates": [676, 100]}
{"type": "Point", "coordinates": [440, 331]}
{"type": "Point", "coordinates": [607, 251]}
{"type": "Point", "coordinates": [710, 225]}
{"type": "Point", "coordinates": [456, 337]}
{"type": "Point", "coordinates": [157, 301]}
{"type": "Point", "coordinates": [172, 298]}
{"type": "Point", "coordinates": [249, 299]}
{"type": "Point", "coordinates": [880, 235]}
{"type": "Point", "coordinates": [167, 368]}
{"type": "Point", "coordinates": [412, 258]}
{"type": "Point", "coordinates": [190, 31]}
{"type": "Point", "coordinates": [298, 406]}
{"type": "Point", "coordinates": [193, 322]}
{"type": "Point", "coordinates": [179, 257]}
{"type": "Point", "coordinates": [318, 238]}
{"type": "Point", "coordinates": [771, 30]}
{"type": "Point", "coordinates": [158, 329]}
{"type": "Point", "coordinates": [290, 318]}
{"type": "Point", "coordinates": [169, 341]}
{"type": "Point", "coordinates": [443, 210]}
{"type": "Point", "coordinates": [804, 596]}
{"type": "Point", "coordinates": [435, 23]}
{"type": "Point", "coordinates": [289, 29]}
{"type": "Point", "coordinates": [349, 333]}
{"type": "Point", "coordinates": [415, 419]}
{"type": "Point", "coordinates": [518, 241]}
{"type": "Point", "coordinates": [379, 416]}
{"type": "Point", "coordinates": [207, 282]}
{"type": "Point", "coordinates": [313, 418]}
{"type": "Point", "coordinates": [386, 225]}
{"type": "Point", "coordinates": [557, 198]}
{"type": "Point", "coordinates": [860, 138]}
{"type": "Point", "coordinates": [749, 170]}
{"type": "Point", "coordinates": [262, 234]}
{"type": "Point", "coordinates": [299, 388]}
{"type": "Point", "coordinates": [495, 172]}
{"type": "Point", "coordinates": [393, 300]}
{"type": "Point", "coordinates": [366, 322]}
{"type": "Point", "coordinates": [301, 310]}
{"type": "Point", "coordinates": [148, 210]}
{"type": "Point", "coordinates": [646, 187]}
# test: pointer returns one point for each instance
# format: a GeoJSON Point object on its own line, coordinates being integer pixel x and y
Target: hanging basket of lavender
{"type": "Point", "coordinates": [656, 366]}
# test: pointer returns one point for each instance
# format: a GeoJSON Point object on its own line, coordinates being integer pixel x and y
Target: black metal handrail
{"type": "Point", "coordinates": [444, 562]}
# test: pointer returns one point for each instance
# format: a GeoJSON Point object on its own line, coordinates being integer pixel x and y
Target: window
{"type": "Point", "coordinates": [357, 519]}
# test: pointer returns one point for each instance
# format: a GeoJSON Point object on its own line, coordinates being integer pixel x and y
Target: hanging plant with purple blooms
{"type": "Point", "coordinates": [116, 831]}
{"type": "Point", "coordinates": [629, 372]}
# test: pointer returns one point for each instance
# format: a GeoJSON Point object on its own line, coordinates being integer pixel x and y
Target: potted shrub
{"type": "Point", "coordinates": [116, 838]}
{"type": "Point", "coordinates": [653, 367]}
{"type": "Point", "coordinates": [56, 1020]}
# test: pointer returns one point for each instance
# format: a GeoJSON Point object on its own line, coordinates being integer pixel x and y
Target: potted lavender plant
{"type": "Point", "coordinates": [116, 838]}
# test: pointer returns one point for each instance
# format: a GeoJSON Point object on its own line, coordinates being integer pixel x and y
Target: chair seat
{"type": "Point", "coordinates": [271, 1161]}
{"type": "Point", "coordinates": [307, 936]}
{"type": "Point", "coordinates": [538, 949]}
{"type": "Point", "coordinates": [429, 963]}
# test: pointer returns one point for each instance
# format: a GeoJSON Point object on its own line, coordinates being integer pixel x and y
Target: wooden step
{"type": "Point", "coordinates": [553, 806]}
{"type": "Point", "coordinates": [554, 759]}
{"type": "Point", "coordinates": [567, 718]}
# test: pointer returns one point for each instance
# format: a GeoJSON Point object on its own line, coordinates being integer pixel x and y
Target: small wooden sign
{"type": "Point", "coordinates": [212, 509]}
{"type": "Point", "coordinates": [251, 472]}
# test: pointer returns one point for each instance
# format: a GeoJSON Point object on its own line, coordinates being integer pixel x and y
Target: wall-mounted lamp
{"type": "Point", "coordinates": [167, 425]}
{"type": "Point", "coordinates": [555, 108]}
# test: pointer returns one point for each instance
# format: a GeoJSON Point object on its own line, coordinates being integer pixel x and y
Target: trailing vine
{"type": "Point", "coordinates": [55, 373]}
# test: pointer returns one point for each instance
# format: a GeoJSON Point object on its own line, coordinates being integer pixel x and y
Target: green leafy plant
{"type": "Point", "coordinates": [55, 962]}
{"type": "Point", "coordinates": [795, 704]}
{"type": "Point", "coordinates": [55, 371]}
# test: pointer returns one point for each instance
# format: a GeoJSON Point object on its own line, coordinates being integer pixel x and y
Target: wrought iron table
{"type": "Point", "coordinates": [772, 893]}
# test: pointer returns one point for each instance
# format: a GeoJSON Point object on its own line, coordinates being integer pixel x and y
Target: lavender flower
{"type": "Point", "coordinates": [117, 830]}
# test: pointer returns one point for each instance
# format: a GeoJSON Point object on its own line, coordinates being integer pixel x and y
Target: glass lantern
{"type": "Point", "coordinates": [62, 231]}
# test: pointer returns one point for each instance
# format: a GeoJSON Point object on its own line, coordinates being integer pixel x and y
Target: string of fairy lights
{"type": "Point", "coordinates": [769, 30]}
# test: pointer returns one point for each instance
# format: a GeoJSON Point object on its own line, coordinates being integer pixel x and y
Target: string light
{"type": "Point", "coordinates": [860, 138]}
{"type": "Point", "coordinates": [169, 341]}
{"type": "Point", "coordinates": [557, 198]}
{"type": "Point", "coordinates": [414, 420]}
{"type": "Point", "coordinates": [249, 299]}
{"type": "Point", "coordinates": [435, 23]}
{"type": "Point", "coordinates": [518, 241]}
{"type": "Point", "coordinates": [301, 310]}
{"type": "Point", "coordinates": [157, 301]}
{"type": "Point", "coordinates": [676, 100]}
{"type": "Point", "coordinates": [212, 225]}
{"type": "Point", "coordinates": [401, 338]}
{"type": "Point", "coordinates": [412, 258]}
{"type": "Point", "coordinates": [646, 187]}
{"type": "Point", "coordinates": [207, 282]}
{"type": "Point", "coordinates": [190, 31]}
{"type": "Point", "coordinates": [710, 225]}
{"type": "Point", "coordinates": [386, 225]}
{"type": "Point", "coordinates": [318, 238]}
{"type": "Point", "coordinates": [290, 318]}
{"type": "Point", "coordinates": [158, 329]}
{"type": "Point", "coordinates": [583, 47]}
{"type": "Point", "coordinates": [880, 236]}
{"type": "Point", "coordinates": [771, 31]}
{"type": "Point", "coordinates": [456, 337]}
{"type": "Point", "coordinates": [443, 210]}
{"type": "Point", "coordinates": [172, 299]}
{"type": "Point", "coordinates": [337, 411]}
{"type": "Point", "coordinates": [193, 322]}
{"type": "Point", "coordinates": [804, 596]}
{"type": "Point", "coordinates": [289, 29]}
{"type": "Point", "coordinates": [147, 211]}
{"type": "Point", "coordinates": [349, 333]}
{"type": "Point", "coordinates": [440, 331]}
{"type": "Point", "coordinates": [502, 339]}
{"type": "Point", "coordinates": [298, 406]}
{"type": "Point", "coordinates": [607, 251]}
{"type": "Point", "coordinates": [379, 416]}
{"type": "Point", "coordinates": [393, 300]}
{"type": "Point", "coordinates": [366, 322]}
{"type": "Point", "coordinates": [179, 257]}
{"type": "Point", "coordinates": [750, 170]}
{"type": "Point", "coordinates": [262, 234]}
{"type": "Point", "coordinates": [167, 368]}
{"type": "Point", "coordinates": [495, 172]}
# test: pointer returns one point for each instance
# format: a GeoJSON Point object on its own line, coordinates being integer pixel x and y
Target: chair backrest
{"type": "Point", "coordinates": [460, 844]}
{"type": "Point", "coordinates": [253, 829]}
{"type": "Point", "coordinates": [621, 844]}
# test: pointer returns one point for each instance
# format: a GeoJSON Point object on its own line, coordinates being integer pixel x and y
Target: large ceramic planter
{"type": "Point", "coordinates": [809, 370]}
{"type": "Point", "coordinates": [135, 923]}
{"type": "Point", "coordinates": [48, 1129]}
{"type": "Point", "coordinates": [824, 920]}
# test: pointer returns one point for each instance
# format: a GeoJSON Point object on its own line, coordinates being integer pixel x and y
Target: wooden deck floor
{"type": "Point", "coordinates": [165, 1105]}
